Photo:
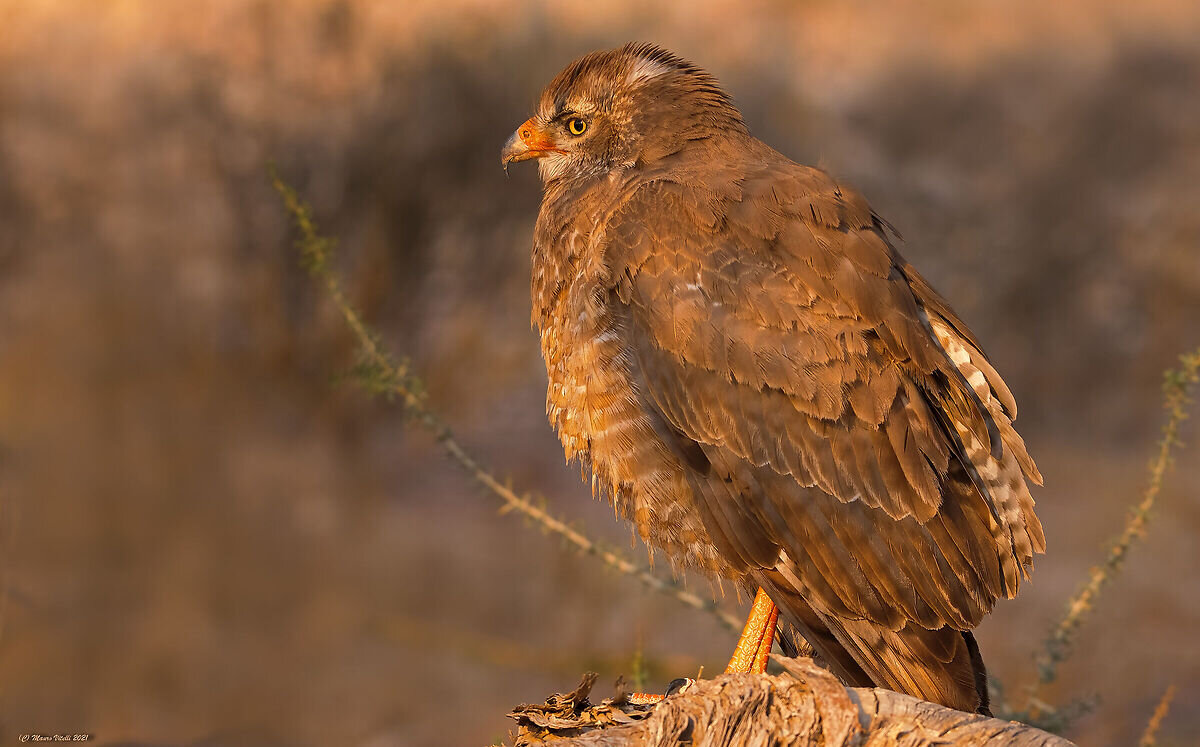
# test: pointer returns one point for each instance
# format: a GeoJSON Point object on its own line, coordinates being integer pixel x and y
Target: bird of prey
{"type": "Point", "coordinates": [752, 374]}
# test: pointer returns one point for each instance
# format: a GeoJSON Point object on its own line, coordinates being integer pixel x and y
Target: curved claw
{"type": "Point", "coordinates": [678, 685]}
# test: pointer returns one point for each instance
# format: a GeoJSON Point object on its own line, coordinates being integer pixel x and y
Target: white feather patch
{"type": "Point", "coordinates": [645, 69]}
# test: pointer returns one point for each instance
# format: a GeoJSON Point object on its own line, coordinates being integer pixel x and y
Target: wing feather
{"type": "Point", "coordinates": [792, 346]}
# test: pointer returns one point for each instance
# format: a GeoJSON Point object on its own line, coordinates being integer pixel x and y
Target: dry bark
{"type": "Point", "coordinates": [804, 706]}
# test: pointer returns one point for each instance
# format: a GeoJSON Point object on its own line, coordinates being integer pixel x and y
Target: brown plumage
{"type": "Point", "coordinates": [756, 378]}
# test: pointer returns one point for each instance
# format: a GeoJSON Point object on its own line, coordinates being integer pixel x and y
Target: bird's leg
{"type": "Point", "coordinates": [754, 647]}
{"type": "Point", "coordinates": [749, 657]}
{"type": "Point", "coordinates": [768, 639]}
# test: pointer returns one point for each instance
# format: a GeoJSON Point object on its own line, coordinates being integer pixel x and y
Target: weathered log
{"type": "Point", "coordinates": [804, 706]}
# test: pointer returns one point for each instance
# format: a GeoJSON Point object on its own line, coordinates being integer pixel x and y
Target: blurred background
{"type": "Point", "coordinates": [209, 536]}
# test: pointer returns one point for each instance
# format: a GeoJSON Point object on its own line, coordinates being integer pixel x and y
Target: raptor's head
{"type": "Point", "coordinates": [623, 108]}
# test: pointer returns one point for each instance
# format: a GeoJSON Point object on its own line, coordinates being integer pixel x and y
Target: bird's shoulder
{"type": "Point", "coordinates": [782, 245]}
{"type": "Point", "coordinates": [754, 202]}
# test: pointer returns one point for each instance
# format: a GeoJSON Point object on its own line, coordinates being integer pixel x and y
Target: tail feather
{"type": "Point", "coordinates": [981, 678]}
{"type": "Point", "coordinates": [934, 665]}
{"type": "Point", "coordinates": [942, 666]}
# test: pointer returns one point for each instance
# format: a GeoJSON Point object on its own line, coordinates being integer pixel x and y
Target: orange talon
{"type": "Point", "coordinates": [754, 647]}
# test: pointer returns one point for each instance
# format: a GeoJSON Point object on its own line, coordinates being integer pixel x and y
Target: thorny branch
{"type": "Point", "coordinates": [381, 374]}
{"type": "Point", "coordinates": [1177, 388]}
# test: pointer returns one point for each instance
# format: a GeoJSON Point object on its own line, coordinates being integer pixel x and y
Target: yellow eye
{"type": "Point", "coordinates": [576, 126]}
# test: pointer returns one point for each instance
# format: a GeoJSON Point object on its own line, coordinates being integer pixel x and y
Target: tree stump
{"type": "Point", "coordinates": [804, 706]}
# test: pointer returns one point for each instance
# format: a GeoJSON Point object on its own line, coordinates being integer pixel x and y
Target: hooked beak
{"type": "Point", "coordinates": [529, 141]}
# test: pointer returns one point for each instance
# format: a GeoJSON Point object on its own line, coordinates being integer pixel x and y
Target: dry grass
{"type": "Point", "coordinates": [1150, 735]}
